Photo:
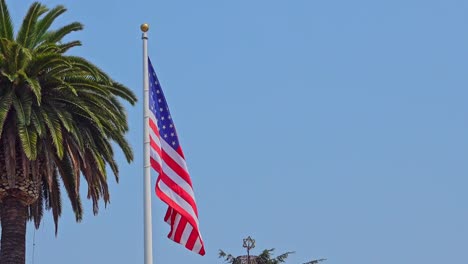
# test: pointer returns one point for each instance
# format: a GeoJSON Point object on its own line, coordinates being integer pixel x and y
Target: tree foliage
{"type": "Point", "coordinates": [265, 257]}
{"type": "Point", "coordinates": [60, 115]}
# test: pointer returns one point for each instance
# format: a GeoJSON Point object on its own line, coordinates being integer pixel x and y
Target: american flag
{"type": "Point", "coordinates": [173, 185]}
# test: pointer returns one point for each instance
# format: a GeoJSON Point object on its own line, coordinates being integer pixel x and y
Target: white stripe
{"type": "Point", "coordinates": [154, 137]}
{"type": "Point", "coordinates": [174, 155]}
{"type": "Point", "coordinates": [152, 134]}
{"type": "Point", "coordinates": [198, 245]}
{"type": "Point", "coordinates": [176, 223]}
{"type": "Point", "coordinates": [169, 219]}
{"type": "Point", "coordinates": [186, 234]}
{"type": "Point", "coordinates": [178, 200]}
{"type": "Point", "coordinates": [177, 179]}
{"type": "Point", "coordinates": [155, 156]}
{"type": "Point", "coordinates": [153, 117]}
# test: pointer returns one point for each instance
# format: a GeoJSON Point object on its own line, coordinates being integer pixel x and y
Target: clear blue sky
{"type": "Point", "coordinates": [337, 129]}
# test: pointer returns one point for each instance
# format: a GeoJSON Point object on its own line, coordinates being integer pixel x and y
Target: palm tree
{"type": "Point", "coordinates": [59, 116]}
{"type": "Point", "coordinates": [266, 257]}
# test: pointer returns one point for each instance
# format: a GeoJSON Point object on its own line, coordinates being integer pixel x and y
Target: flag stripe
{"type": "Point", "coordinates": [176, 201]}
{"type": "Point", "coordinates": [177, 218]}
{"type": "Point", "coordinates": [184, 194]}
{"type": "Point", "coordinates": [155, 161]}
{"type": "Point", "coordinates": [153, 129]}
{"type": "Point", "coordinates": [198, 246]}
{"type": "Point", "coordinates": [185, 235]}
{"type": "Point", "coordinates": [169, 218]}
{"type": "Point", "coordinates": [174, 155]}
{"type": "Point", "coordinates": [171, 164]}
{"type": "Point", "coordinates": [155, 147]}
{"type": "Point", "coordinates": [180, 224]}
{"type": "Point", "coordinates": [192, 239]}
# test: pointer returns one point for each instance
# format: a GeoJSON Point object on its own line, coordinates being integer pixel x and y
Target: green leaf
{"type": "Point", "coordinates": [66, 169]}
{"type": "Point", "coordinates": [57, 35]}
{"type": "Point", "coordinates": [66, 119]}
{"type": "Point", "coordinates": [5, 47]}
{"type": "Point", "coordinates": [55, 129]}
{"type": "Point", "coordinates": [28, 139]}
{"type": "Point", "coordinates": [38, 122]}
{"type": "Point", "coordinates": [17, 57]}
{"type": "Point", "coordinates": [10, 77]}
{"type": "Point", "coordinates": [122, 91]}
{"type": "Point", "coordinates": [23, 106]}
{"type": "Point", "coordinates": [88, 67]}
{"type": "Point", "coordinates": [90, 115]}
{"type": "Point", "coordinates": [27, 33]}
{"type": "Point", "coordinates": [6, 26]}
{"type": "Point", "coordinates": [5, 105]}
{"type": "Point", "coordinates": [44, 24]}
{"type": "Point", "coordinates": [47, 61]}
{"type": "Point", "coordinates": [33, 84]}
{"type": "Point", "coordinates": [66, 46]}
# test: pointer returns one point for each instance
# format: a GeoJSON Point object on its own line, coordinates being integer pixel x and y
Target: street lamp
{"type": "Point", "coordinates": [249, 243]}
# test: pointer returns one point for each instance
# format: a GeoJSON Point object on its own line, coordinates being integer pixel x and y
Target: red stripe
{"type": "Point", "coordinates": [176, 167]}
{"type": "Point", "coordinates": [179, 150]}
{"type": "Point", "coordinates": [179, 190]}
{"type": "Point", "coordinates": [155, 146]}
{"type": "Point", "coordinates": [173, 185]}
{"type": "Point", "coordinates": [169, 214]}
{"type": "Point", "coordinates": [180, 229]}
{"type": "Point", "coordinates": [173, 218]}
{"type": "Point", "coordinates": [191, 240]}
{"type": "Point", "coordinates": [176, 207]}
{"type": "Point", "coordinates": [155, 165]}
{"type": "Point", "coordinates": [153, 126]}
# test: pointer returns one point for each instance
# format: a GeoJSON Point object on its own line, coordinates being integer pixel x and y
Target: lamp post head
{"type": "Point", "coordinates": [249, 243]}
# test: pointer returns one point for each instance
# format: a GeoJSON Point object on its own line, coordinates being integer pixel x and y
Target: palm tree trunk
{"type": "Point", "coordinates": [13, 215]}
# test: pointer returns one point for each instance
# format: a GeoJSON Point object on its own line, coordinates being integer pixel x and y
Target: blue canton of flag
{"type": "Point", "coordinates": [158, 106]}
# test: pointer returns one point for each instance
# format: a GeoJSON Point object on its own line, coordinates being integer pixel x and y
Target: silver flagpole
{"type": "Point", "coordinates": [148, 229]}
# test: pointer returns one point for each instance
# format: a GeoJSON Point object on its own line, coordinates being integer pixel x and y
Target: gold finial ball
{"type": "Point", "coordinates": [144, 27]}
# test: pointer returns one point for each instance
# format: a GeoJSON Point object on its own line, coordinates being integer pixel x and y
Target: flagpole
{"type": "Point", "coordinates": [148, 229]}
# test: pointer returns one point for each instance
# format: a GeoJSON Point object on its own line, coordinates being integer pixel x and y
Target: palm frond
{"type": "Point", "coordinates": [44, 23]}
{"type": "Point", "coordinates": [5, 105]}
{"type": "Point", "coordinates": [55, 129]}
{"type": "Point", "coordinates": [9, 148]}
{"type": "Point", "coordinates": [6, 26]}
{"type": "Point", "coordinates": [62, 48]}
{"type": "Point", "coordinates": [123, 92]}
{"type": "Point", "coordinates": [46, 61]}
{"type": "Point", "coordinates": [36, 211]}
{"type": "Point", "coordinates": [23, 105]}
{"type": "Point", "coordinates": [57, 35]}
{"type": "Point", "coordinates": [38, 122]}
{"type": "Point", "coordinates": [282, 258]}
{"type": "Point", "coordinates": [315, 261]}
{"type": "Point", "coordinates": [228, 258]}
{"type": "Point", "coordinates": [33, 84]}
{"type": "Point", "coordinates": [27, 34]}
{"type": "Point", "coordinates": [55, 201]}
{"type": "Point", "coordinates": [66, 168]}
{"type": "Point", "coordinates": [28, 138]}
